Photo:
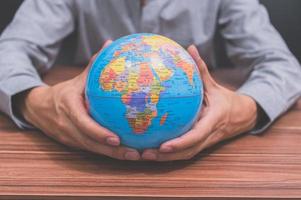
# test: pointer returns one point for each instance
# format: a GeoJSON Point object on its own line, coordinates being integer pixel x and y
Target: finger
{"type": "Point", "coordinates": [81, 119]}
{"type": "Point", "coordinates": [82, 78]}
{"type": "Point", "coordinates": [58, 133]}
{"type": "Point", "coordinates": [206, 77]}
{"type": "Point", "coordinates": [120, 152]}
{"type": "Point", "coordinates": [211, 140]}
{"type": "Point", "coordinates": [81, 140]}
{"type": "Point", "coordinates": [185, 154]}
{"type": "Point", "coordinates": [107, 43]}
{"type": "Point", "coordinates": [198, 133]}
{"type": "Point", "coordinates": [155, 155]}
{"type": "Point", "coordinates": [190, 152]}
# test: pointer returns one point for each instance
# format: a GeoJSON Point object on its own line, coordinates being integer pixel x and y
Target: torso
{"type": "Point", "coordinates": [186, 22]}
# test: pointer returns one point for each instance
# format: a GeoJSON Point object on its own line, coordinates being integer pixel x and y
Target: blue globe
{"type": "Point", "coordinates": [145, 88]}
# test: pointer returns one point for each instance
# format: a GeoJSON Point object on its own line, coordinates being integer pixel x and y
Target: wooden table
{"type": "Point", "coordinates": [268, 166]}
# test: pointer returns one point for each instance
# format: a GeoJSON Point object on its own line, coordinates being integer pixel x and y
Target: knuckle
{"type": "Point", "coordinates": [117, 153]}
{"type": "Point", "coordinates": [79, 118]}
{"type": "Point", "coordinates": [221, 133]}
{"type": "Point", "coordinates": [64, 97]}
{"type": "Point", "coordinates": [61, 95]}
{"type": "Point", "coordinates": [92, 132]}
{"type": "Point", "coordinates": [179, 147]}
{"type": "Point", "coordinates": [61, 124]}
{"type": "Point", "coordinates": [111, 152]}
{"type": "Point", "coordinates": [65, 140]}
{"type": "Point", "coordinates": [189, 155]}
{"type": "Point", "coordinates": [76, 118]}
{"type": "Point", "coordinates": [97, 137]}
{"type": "Point", "coordinates": [66, 102]}
{"type": "Point", "coordinates": [62, 134]}
{"type": "Point", "coordinates": [84, 143]}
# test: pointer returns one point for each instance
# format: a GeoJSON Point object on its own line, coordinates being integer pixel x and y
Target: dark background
{"type": "Point", "coordinates": [285, 16]}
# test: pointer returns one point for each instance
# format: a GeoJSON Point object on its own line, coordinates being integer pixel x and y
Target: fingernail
{"type": "Point", "coordinates": [149, 156]}
{"type": "Point", "coordinates": [113, 141]}
{"type": "Point", "coordinates": [131, 155]}
{"type": "Point", "coordinates": [166, 149]}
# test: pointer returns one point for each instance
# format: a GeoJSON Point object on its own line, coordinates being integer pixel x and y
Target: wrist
{"type": "Point", "coordinates": [245, 113]}
{"type": "Point", "coordinates": [251, 111]}
{"type": "Point", "coordinates": [29, 100]}
{"type": "Point", "coordinates": [18, 101]}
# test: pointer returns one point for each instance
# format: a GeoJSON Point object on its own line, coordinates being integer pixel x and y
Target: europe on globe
{"type": "Point", "coordinates": [145, 88]}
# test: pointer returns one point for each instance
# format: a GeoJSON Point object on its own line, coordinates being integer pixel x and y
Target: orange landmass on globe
{"type": "Point", "coordinates": [188, 68]}
{"type": "Point", "coordinates": [145, 75]}
{"type": "Point", "coordinates": [163, 119]}
{"type": "Point", "coordinates": [141, 122]}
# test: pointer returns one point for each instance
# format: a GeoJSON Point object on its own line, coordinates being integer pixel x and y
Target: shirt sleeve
{"type": "Point", "coordinates": [29, 46]}
{"type": "Point", "coordinates": [251, 41]}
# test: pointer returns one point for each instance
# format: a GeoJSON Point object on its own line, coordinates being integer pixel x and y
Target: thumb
{"type": "Point", "coordinates": [85, 72]}
{"type": "Point", "coordinates": [205, 75]}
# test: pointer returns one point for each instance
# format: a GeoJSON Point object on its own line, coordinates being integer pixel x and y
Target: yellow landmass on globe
{"type": "Point", "coordinates": [157, 42]}
{"type": "Point", "coordinates": [132, 81]}
{"type": "Point", "coordinates": [161, 70]}
{"type": "Point", "coordinates": [108, 75]}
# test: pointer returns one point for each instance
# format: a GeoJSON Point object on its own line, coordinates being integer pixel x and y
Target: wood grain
{"type": "Point", "coordinates": [267, 166]}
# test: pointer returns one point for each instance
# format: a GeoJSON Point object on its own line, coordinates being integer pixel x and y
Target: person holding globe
{"type": "Point", "coordinates": [30, 44]}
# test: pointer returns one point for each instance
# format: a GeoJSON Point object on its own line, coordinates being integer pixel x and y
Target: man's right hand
{"type": "Point", "coordinates": [60, 112]}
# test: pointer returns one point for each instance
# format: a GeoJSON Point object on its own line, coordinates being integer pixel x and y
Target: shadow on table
{"type": "Point", "coordinates": [92, 163]}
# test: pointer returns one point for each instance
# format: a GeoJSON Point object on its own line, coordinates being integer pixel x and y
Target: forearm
{"type": "Point", "coordinates": [28, 48]}
{"type": "Point", "coordinates": [244, 114]}
{"type": "Point", "coordinates": [252, 41]}
{"type": "Point", "coordinates": [275, 84]}
{"type": "Point", "coordinates": [17, 74]}
{"type": "Point", "coordinates": [20, 103]}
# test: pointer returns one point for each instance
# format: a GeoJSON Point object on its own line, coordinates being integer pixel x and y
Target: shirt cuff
{"type": "Point", "coordinates": [270, 104]}
{"type": "Point", "coordinates": [13, 86]}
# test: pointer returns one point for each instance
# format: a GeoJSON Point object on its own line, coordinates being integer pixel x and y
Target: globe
{"type": "Point", "coordinates": [145, 88]}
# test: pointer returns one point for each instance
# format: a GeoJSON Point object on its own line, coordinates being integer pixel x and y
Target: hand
{"type": "Point", "coordinates": [60, 112]}
{"type": "Point", "coordinates": [224, 114]}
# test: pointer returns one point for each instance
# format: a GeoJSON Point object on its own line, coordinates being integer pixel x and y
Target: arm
{"type": "Point", "coordinates": [29, 46]}
{"type": "Point", "coordinates": [224, 114]}
{"type": "Point", "coordinates": [251, 41]}
{"type": "Point", "coordinates": [273, 86]}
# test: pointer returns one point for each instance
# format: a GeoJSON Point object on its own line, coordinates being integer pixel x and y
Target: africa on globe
{"type": "Point", "coordinates": [145, 88]}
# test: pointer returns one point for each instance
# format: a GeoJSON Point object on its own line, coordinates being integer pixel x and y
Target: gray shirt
{"type": "Point", "coordinates": [31, 42]}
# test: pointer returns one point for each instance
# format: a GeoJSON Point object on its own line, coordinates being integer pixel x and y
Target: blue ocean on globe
{"type": "Point", "coordinates": [145, 88]}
